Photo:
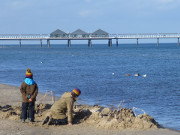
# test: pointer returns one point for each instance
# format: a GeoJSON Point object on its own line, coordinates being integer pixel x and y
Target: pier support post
{"type": "Point", "coordinates": [41, 43]}
{"type": "Point", "coordinates": [137, 43]}
{"type": "Point", "coordinates": [116, 42]}
{"type": "Point", "coordinates": [69, 43]}
{"type": "Point", "coordinates": [110, 43]}
{"type": "Point", "coordinates": [89, 43]}
{"type": "Point", "coordinates": [19, 42]}
{"type": "Point", "coordinates": [157, 41]}
{"type": "Point", "coordinates": [48, 43]}
{"type": "Point", "coordinates": [178, 41]}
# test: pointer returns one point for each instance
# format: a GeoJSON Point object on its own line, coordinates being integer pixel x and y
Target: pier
{"type": "Point", "coordinates": [90, 38]}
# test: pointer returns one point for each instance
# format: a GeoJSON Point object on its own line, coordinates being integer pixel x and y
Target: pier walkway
{"type": "Point", "coordinates": [111, 37]}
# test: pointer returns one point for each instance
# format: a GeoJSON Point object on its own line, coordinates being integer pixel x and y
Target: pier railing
{"type": "Point", "coordinates": [23, 36]}
{"type": "Point", "coordinates": [111, 36]}
{"type": "Point", "coordinates": [145, 35]}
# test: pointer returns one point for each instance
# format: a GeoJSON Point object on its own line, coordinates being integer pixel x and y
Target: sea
{"type": "Point", "coordinates": [107, 76]}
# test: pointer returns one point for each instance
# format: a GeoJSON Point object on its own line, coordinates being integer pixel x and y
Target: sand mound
{"type": "Point", "coordinates": [99, 116]}
{"type": "Point", "coordinates": [122, 119]}
{"type": "Point", "coordinates": [9, 112]}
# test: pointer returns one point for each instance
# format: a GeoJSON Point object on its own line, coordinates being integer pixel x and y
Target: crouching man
{"type": "Point", "coordinates": [61, 111]}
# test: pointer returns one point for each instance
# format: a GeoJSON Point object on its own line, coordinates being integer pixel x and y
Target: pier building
{"type": "Point", "coordinates": [59, 34]}
{"type": "Point", "coordinates": [79, 34]}
{"type": "Point", "coordinates": [99, 33]}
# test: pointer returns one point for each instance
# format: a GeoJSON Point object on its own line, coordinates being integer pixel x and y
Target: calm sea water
{"type": "Point", "coordinates": [100, 71]}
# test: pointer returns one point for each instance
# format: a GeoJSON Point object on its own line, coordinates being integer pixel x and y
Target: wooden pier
{"type": "Point", "coordinates": [41, 37]}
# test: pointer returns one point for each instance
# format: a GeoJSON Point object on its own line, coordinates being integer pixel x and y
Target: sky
{"type": "Point", "coordinates": [112, 16]}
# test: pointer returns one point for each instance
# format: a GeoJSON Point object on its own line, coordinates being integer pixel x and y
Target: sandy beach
{"type": "Point", "coordinates": [10, 103]}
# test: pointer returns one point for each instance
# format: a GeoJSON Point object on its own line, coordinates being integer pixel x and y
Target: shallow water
{"type": "Point", "coordinates": [100, 71]}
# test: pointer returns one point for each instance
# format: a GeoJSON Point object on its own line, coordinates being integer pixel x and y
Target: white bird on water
{"type": "Point", "coordinates": [112, 73]}
{"type": "Point", "coordinates": [144, 75]}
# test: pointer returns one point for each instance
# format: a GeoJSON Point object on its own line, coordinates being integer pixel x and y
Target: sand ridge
{"type": "Point", "coordinates": [102, 117]}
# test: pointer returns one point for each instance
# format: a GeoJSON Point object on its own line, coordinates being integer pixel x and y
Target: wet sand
{"type": "Point", "coordinates": [10, 95]}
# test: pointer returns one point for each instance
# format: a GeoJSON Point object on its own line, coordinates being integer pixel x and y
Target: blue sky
{"type": "Point", "coordinates": [113, 16]}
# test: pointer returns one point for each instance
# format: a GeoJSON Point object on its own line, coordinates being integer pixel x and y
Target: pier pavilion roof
{"type": "Point", "coordinates": [100, 32]}
{"type": "Point", "coordinates": [59, 32]}
{"type": "Point", "coordinates": [79, 32]}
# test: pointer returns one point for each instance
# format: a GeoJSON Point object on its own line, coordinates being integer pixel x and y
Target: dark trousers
{"type": "Point", "coordinates": [50, 121]}
{"type": "Point", "coordinates": [28, 110]}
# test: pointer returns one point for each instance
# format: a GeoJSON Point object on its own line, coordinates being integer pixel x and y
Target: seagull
{"type": "Point", "coordinates": [144, 75]}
